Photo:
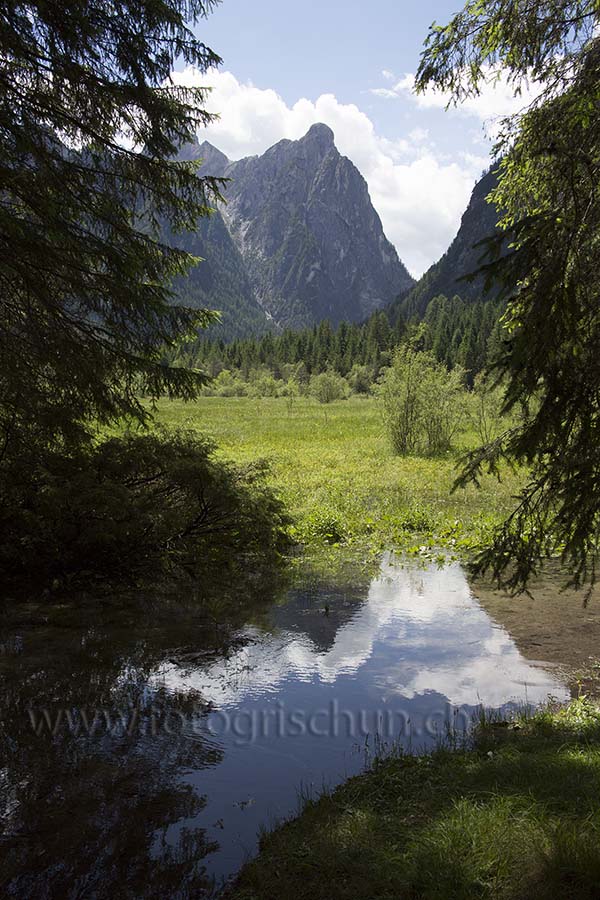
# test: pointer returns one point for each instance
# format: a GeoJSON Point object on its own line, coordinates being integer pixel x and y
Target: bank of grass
{"type": "Point", "coordinates": [348, 494]}
{"type": "Point", "coordinates": [515, 816]}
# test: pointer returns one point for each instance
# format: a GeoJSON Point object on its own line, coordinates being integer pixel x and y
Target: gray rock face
{"type": "Point", "coordinates": [213, 161]}
{"type": "Point", "coordinates": [314, 246]}
{"type": "Point", "coordinates": [464, 256]}
{"type": "Point", "coordinates": [301, 218]}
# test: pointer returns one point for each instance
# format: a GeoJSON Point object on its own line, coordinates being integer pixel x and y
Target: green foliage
{"type": "Point", "coordinates": [291, 391]}
{"type": "Point", "coordinates": [485, 413]}
{"type": "Point", "coordinates": [326, 525]}
{"type": "Point", "coordinates": [422, 403]}
{"type": "Point", "coordinates": [416, 518]}
{"type": "Point", "coordinates": [359, 379]}
{"type": "Point", "coordinates": [328, 386]}
{"type": "Point", "coordinates": [540, 41]}
{"type": "Point", "coordinates": [227, 384]}
{"type": "Point", "coordinates": [550, 213]}
{"type": "Point", "coordinates": [135, 506]}
{"type": "Point", "coordinates": [263, 384]}
{"type": "Point", "coordinates": [458, 332]}
{"type": "Point", "coordinates": [336, 474]}
{"type": "Point", "coordinates": [88, 131]}
{"type": "Point", "coordinates": [303, 353]}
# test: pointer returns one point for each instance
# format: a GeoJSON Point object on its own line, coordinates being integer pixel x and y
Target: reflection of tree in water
{"type": "Point", "coordinates": [92, 815]}
{"type": "Point", "coordinates": [321, 611]}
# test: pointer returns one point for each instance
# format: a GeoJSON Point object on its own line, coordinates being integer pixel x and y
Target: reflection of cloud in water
{"type": "Point", "coordinates": [417, 631]}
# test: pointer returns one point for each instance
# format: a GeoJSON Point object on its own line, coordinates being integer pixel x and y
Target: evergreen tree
{"type": "Point", "coordinates": [89, 126]}
{"type": "Point", "coordinates": [549, 204]}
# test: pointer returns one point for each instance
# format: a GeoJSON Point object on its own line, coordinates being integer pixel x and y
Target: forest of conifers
{"type": "Point", "coordinates": [459, 333]}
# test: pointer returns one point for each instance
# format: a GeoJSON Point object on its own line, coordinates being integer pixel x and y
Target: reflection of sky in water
{"type": "Point", "coordinates": [418, 647]}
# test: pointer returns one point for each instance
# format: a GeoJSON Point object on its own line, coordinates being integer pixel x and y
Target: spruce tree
{"type": "Point", "coordinates": [549, 203]}
{"type": "Point", "coordinates": [90, 124]}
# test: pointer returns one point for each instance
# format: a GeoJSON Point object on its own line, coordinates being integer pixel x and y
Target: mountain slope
{"type": "Point", "coordinates": [462, 258]}
{"type": "Point", "coordinates": [305, 243]}
{"type": "Point", "coordinates": [220, 281]}
{"type": "Point", "coordinates": [314, 246]}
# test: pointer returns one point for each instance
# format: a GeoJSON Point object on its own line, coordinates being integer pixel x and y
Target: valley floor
{"type": "Point", "coordinates": [349, 496]}
{"type": "Point", "coordinates": [516, 815]}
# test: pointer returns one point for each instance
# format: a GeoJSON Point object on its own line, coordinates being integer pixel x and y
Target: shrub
{"type": "Point", "coordinates": [326, 525]}
{"type": "Point", "coordinates": [444, 398]}
{"type": "Point", "coordinates": [485, 410]}
{"type": "Point", "coordinates": [360, 379]}
{"type": "Point", "coordinates": [422, 402]}
{"type": "Point", "coordinates": [291, 392]}
{"type": "Point", "coordinates": [262, 383]}
{"type": "Point", "coordinates": [227, 384]}
{"type": "Point", "coordinates": [132, 506]}
{"type": "Point", "coordinates": [328, 386]}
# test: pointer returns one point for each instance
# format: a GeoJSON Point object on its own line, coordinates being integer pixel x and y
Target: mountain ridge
{"type": "Point", "coordinates": [464, 257]}
{"type": "Point", "coordinates": [303, 225]}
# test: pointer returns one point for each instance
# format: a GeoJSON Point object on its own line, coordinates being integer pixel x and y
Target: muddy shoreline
{"type": "Point", "coordinates": [552, 626]}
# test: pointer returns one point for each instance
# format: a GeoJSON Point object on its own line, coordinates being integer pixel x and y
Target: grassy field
{"type": "Point", "coordinates": [517, 817]}
{"type": "Point", "coordinates": [347, 493]}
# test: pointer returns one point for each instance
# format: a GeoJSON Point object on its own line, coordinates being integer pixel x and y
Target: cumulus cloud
{"type": "Point", "coordinates": [385, 93]}
{"type": "Point", "coordinates": [495, 101]}
{"type": "Point", "coordinates": [419, 196]}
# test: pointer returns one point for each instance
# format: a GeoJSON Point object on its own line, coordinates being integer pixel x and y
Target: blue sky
{"type": "Point", "coordinates": [321, 45]}
{"type": "Point", "coordinates": [350, 64]}
{"type": "Point", "coordinates": [312, 48]}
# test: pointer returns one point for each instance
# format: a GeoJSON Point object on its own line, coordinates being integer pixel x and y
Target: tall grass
{"type": "Point", "coordinates": [516, 817]}
{"type": "Point", "coordinates": [347, 491]}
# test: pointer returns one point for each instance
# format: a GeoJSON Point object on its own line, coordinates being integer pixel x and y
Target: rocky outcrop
{"type": "Point", "coordinates": [302, 222]}
{"type": "Point", "coordinates": [465, 256]}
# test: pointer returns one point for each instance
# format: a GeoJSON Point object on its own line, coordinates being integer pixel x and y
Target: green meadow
{"type": "Point", "coordinates": [348, 494]}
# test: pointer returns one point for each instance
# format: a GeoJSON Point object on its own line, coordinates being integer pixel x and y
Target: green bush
{"type": "Point", "coordinates": [328, 386]}
{"type": "Point", "coordinates": [227, 384]}
{"type": "Point", "coordinates": [327, 526]}
{"type": "Point", "coordinates": [423, 403]}
{"type": "Point", "coordinates": [485, 410]}
{"type": "Point", "coordinates": [360, 379]}
{"type": "Point", "coordinates": [135, 505]}
{"type": "Point", "coordinates": [262, 383]}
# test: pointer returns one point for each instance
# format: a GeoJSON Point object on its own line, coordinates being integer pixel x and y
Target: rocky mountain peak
{"type": "Point", "coordinates": [213, 161]}
{"type": "Point", "coordinates": [313, 245]}
{"type": "Point", "coordinates": [321, 136]}
{"type": "Point", "coordinates": [297, 241]}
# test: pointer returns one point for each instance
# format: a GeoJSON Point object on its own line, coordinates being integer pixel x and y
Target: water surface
{"type": "Point", "coordinates": [140, 759]}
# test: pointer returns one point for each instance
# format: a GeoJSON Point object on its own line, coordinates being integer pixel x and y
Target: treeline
{"type": "Point", "coordinates": [456, 332]}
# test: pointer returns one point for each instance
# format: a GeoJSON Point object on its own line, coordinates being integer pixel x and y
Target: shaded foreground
{"type": "Point", "coordinates": [147, 736]}
{"type": "Point", "coordinates": [516, 816]}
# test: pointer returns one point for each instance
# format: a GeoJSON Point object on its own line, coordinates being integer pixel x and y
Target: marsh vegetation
{"type": "Point", "coordinates": [347, 491]}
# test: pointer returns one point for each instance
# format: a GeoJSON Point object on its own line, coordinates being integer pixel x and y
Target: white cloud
{"type": "Point", "coordinates": [418, 135]}
{"type": "Point", "coordinates": [386, 93]}
{"type": "Point", "coordinates": [495, 101]}
{"type": "Point", "coordinates": [419, 196]}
